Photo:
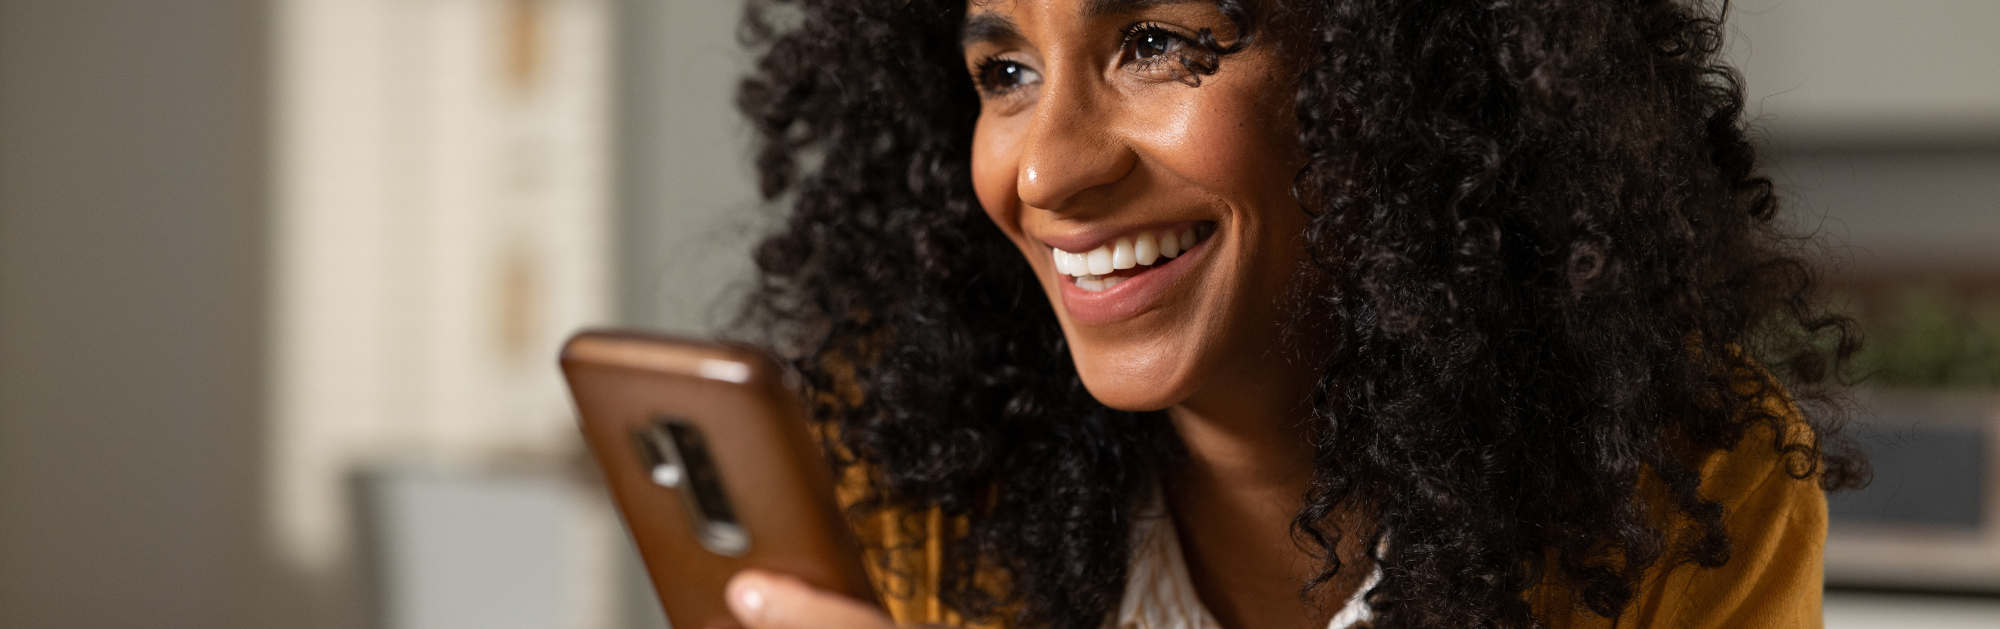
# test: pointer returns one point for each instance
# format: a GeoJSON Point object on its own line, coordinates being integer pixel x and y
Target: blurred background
{"type": "Point", "coordinates": [282, 281]}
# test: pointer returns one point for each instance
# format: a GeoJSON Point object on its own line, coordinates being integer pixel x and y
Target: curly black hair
{"type": "Point", "coordinates": [1541, 248]}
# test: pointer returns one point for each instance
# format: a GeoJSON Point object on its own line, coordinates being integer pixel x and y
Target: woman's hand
{"type": "Point", "coordinates": [768, 600]}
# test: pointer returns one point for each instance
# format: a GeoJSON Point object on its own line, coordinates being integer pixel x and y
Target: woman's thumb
{"type": "Point", "coordinates": [766, 600]}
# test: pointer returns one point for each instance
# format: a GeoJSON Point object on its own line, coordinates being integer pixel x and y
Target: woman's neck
{"type": "Point", "coordinates": [1249, 466]}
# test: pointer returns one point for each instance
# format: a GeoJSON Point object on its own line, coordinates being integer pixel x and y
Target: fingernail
{"type": "Point", "coordinates": [750, 600]}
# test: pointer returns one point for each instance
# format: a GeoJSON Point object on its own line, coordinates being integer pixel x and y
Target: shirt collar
{"type": "Point", "coordinates": [1159, 594]}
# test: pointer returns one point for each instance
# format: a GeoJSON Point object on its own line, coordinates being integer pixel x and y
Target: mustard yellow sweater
{"type": "Point", "coordinates": [1777, 525]}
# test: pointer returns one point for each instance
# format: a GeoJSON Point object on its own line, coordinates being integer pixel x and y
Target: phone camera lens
{"type": "Point", "coordinates": [667, 475]}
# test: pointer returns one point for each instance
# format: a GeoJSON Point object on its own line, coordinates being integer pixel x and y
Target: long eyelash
{"type": "Point", "coordinates": [1199, 56]}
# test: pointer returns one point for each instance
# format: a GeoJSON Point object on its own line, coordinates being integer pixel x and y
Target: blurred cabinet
{"type": "Point", "coordinates": [1931, 518]}
{"type": "Point", "coordinates": [489, 549]}
{"type": "Point", "coordinates": [442, 219]}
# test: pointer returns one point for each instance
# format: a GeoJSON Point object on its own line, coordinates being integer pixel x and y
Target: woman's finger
{"type": "Point", "coordinates": [767, 600]}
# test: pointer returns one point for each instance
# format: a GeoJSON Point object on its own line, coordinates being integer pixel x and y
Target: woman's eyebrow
{"type": "Point", "coordinates": [1097, 8]}
{"type": "Point", "coordinates": [989, 27]}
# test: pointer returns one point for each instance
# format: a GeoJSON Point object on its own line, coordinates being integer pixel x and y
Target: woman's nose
{"type": "Point", "coordinates": [1071, 147]}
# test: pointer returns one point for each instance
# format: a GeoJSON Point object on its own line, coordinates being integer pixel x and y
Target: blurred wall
{"type": "Point", "coordinates": [1853, 72]}
{"type": "Point", "coordinates": [1883, 124]}
{"type": "Point", "coordinates": [687, 198]}
{"type": "Point", "coordinates": [132, 134]}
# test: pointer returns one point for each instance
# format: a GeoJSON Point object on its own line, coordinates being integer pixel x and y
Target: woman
{"type": "Point", "coordinates": [1196, 313]}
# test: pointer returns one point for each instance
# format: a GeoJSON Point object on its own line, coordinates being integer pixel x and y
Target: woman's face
{"type": "Point", "coordinates": [1153, 203]}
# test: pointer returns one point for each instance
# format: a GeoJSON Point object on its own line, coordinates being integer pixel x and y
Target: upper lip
{"type": "Point", "coordinates": [1086, 239]}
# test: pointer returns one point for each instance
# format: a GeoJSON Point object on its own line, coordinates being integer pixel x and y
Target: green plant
{"type": "Point", "coordinates": [1932, 337]}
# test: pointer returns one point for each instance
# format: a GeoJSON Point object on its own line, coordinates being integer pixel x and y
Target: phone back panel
{"type": "Point", "coordinates": [770, 468]}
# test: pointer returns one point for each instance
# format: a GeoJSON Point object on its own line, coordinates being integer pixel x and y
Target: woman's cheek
{"type": "Point", "coordinates": [1228, 137]}
{"type": "Point", "coordinates": [1235, 153]}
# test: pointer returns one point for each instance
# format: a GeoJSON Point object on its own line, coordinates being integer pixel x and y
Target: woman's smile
{"type": "Point", "coordinates": [1149, 190]}
{"type": "Point", "coordinates": [1124, 275]}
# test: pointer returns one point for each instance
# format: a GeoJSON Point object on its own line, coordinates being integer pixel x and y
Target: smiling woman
{"type": "Point", "coordinates": [1291, 314]}
{"type": "Point", "coordinates": [1098, 132]}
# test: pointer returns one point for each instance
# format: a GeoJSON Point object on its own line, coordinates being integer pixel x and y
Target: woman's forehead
{"type": "Point", "coordinates": [1082, 8]}
{"type": "Point", "coordinates": [993, 21]}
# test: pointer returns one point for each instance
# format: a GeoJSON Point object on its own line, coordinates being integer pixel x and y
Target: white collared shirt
{"type": "Point", "coordinates": [1159, 594]}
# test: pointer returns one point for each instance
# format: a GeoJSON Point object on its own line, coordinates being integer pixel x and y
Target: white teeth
{"type": "Point", "coordinates": [1069, 263]}
{"type": "Point", "coordinates": [1093, 283]}
{"type": "Point", "coordinates": [1099, 260]}
{"type": "Point", "coordinates": [1145, 249]}
{"type": "Point", "coordinates": [1121, 254]}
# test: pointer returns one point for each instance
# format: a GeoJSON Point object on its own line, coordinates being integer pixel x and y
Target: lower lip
{"type": "Point", "coordinates": [1130, 296]}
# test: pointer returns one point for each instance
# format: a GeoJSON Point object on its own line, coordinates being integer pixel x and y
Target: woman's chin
{"type": "Point", "coordinates": [1120, 386]}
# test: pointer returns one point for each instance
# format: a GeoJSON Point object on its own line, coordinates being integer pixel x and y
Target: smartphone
{"type": "Point", "coordinates": [707, 453]}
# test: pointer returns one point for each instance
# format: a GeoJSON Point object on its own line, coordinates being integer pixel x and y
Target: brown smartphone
{"type": "Point", "coordinates": [707, 453]}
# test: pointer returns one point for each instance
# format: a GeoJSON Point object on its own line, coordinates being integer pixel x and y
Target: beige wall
{"type": "Point", "coordinates": [1871, 71]}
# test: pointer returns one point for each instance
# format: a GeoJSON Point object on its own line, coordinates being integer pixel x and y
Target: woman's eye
{"type": "Point", "coordinates": [1150, 45]}
{"type": "Point", "coordinates": [999, 76]}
